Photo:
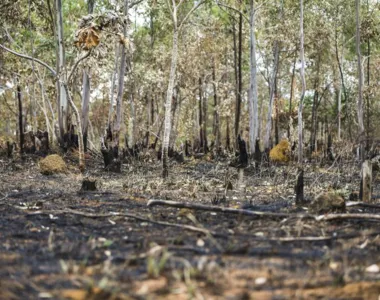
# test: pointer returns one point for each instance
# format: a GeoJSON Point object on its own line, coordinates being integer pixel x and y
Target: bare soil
{"type": "Point", "coordinates": [57, 242]}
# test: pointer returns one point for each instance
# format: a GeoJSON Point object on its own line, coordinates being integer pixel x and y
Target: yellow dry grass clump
{"type": "Point", "coordinates": [281, 152]}
{"type": "Point", "coordinates": [52, 164]}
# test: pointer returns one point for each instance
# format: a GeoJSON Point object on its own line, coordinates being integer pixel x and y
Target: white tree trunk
{"type": "Point", "coordinates": [268, 127]}
{"type": "Point", "coordinates": [85, 103]}
{"type": "Point", "coordinates": [300, 107]}
{"type": "Point", "coordinates": [168, 104]}
{"type": "Point", "coordinates": [61, 74]}
{"type": "Point", "coordinates": [113, 83]}
{"type": "Point", "coordinates": [360, 84]}
{"type": "Point", "coordinates": [252, 94]}
{"type": "Point", "coordinates": [86, 89]}
{"type": "Point", "coordinates": [119, 97]}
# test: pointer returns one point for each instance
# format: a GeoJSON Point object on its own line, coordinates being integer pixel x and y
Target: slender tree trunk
{"type": "Point", "coordinates": [200, 108]}
{"type": "Point", "coordinates": [176, 115]}
{"type": "Point", "coordinates": [86, 89]}
{"type": "Point", "coordinates": [113, 84]}
{"type": "Point", "coordinates": [291, 95]}
{"type": "Point", "coordinates": [343, 87]}
{"type": "Point", "coordinates": [236, 68]}
{"type": "Point", "coordinates": [168, 103]}
{"type": "Point", "coordinates": [271, 97]}
{"type": "Point", "coordinates": [252, 94]}
{"type": "Point", "coordinates": [240, 83]}
{"type": "Point", "coordinates": [228, 134]}
{"type": "Point", "coordinates": [63, 108]}
{"type": "Point", "coordinates": [313, 131]}
{"type": "Point", "coordinates": [360, 83]}
{"type": "Point", "coordinates": [368, 81]}
{"type": "Point", "coordinates": [82, 164]}
{"type": "Point", "coordinates": [85, 105]}
{"type": "Point", "coordinates": [148, 119]}
{"type": "Point", "coordinates": [204, 124]}
{"type": "Point", "coordinates": [300, 107]}
{"type": "Point", "coordinates": [216, 129]}
{"type": "Point", "coordinates": [169, 94]}
{"type": "Point", "coordinates": [20, 120]}
{"type": "Point", "coordinates": [132, 120]}
{"type": "Point", "coordinates": [120, 92]}
{"type": "Point", "coordinates": [276, 104]}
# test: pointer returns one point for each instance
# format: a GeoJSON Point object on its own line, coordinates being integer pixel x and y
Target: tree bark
{"type": "Point", "coordinates": [360, 83]}
{"type": "Point", "coordinates": [300, 107]}
{"type": "Point", "coordinates": [240, 83]}
{"type": "Point", "coordinates": [168, 103]}
{"type": "Point", "coordinates": [268, 129]}
{"type": "Point", "coordinates": [291, 96]}
{"type": "Point", "coordinates": [169, 94]}
{"type": "Point", "coordinates": [252, 94]}
{"type": "Point", "coordinates": [20, 120]}
{"type": "Point", "coordinates": [200, 109]}
{"type": "Point", "coordinates": [120, 91]}
{"type": "Point", "coordinates": [113, 84]}
{"type": "Point", "coordinates": [343, 87]}
{"type": "Point", "coordinates": [63, 108]}
{"type": "Point", "coordinates": [216, 127]}
{"type": "Point", "coordinates": [204, 124]}
{"type": "Point", "coordinates": [86, 89]}
{"type": "Point", "coordinates": [313, 130]}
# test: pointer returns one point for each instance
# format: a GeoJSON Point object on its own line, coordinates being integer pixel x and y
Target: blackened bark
{"type": "Point", "coordinates": [298, 189]}
{"type": "Point", "coordinates": [228, 135]}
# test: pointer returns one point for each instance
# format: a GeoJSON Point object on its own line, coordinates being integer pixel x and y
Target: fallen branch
{"type": "Point", "coordinates": [245, 212]}
{"type": "Point", "coordinates": [116, 214]}
{"type": "Point", "coordinates": [362, 204]}
{"type": "Point", "coordinates": [363, 217]}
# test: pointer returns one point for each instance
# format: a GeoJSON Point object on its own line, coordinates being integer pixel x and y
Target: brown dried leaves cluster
{"type": "Point", "coordinates": [87, 38]}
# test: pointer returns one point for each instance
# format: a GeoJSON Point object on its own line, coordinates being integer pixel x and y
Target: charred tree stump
{"type": "Point", "coordinates": [257, 154]}
{"type": "Point", "coordinates": [298, 189]}
{"type": "Point", "coordinates": [88, 184]}
{"type": "Point", "coordinates": [243, 155]}
{"type": "Point", "coordinates": [365, 193]}
{"type": "Point", "coordinates": [10, 147]}
{"type": "Point", "coordinates": [187, 148]}
{"type": "Point", "coordinates": [330, 154]}
{"type": "Point", "coordinates": [111, 159]}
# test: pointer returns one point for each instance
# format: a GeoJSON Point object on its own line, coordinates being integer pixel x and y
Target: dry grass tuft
{"type": "Point", "coordinates": [52, 164]}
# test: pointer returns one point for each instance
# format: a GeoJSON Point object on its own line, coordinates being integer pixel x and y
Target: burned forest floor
{"type": "Point", "coordinates": [58, 242]}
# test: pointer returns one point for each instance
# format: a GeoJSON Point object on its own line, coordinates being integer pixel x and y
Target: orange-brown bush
{"type": "Point", "coordinates": [281, 152]}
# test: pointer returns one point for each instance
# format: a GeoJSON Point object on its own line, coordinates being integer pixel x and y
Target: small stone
{"type": "Point", "coordinates": [200, 243]}
{"type": "Point", "coordinates": [373, 269]}
{"type": "Point", "coordinates": [260, 281]}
